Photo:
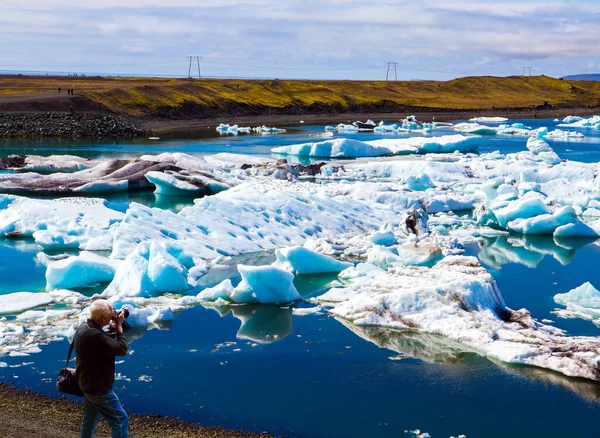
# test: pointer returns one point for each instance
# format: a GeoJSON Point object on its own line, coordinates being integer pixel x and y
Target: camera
{"type": "Point", "coordinates": [115, 314]}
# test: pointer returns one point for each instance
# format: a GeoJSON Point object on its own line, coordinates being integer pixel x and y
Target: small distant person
{"type": "Point", "coordinates": [59, 89]}
{"type": "Point", "coordinates": [96, 351]}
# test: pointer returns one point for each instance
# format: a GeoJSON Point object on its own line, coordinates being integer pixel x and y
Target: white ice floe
{"type": "Point", "coordinates": [154, 268]}
{"type": "Point", "coordinates": [300, 260]}
{"type": "Point", "coordinates": [85, 223]}
{"type": "Point", "coordinates": [459, 299]}
{"type": "Point", "coordinates": [580, 122]}
{"type": "Point", "coordinates": [347, 148]}
{"type": "Point", "coordinates": [489, 119]}
{"type": "Point", "coordinates": [264, 284]}
{"type": "Point", "coordinates": [260, 284]}
{"type": "Point", "coordinates": [56, 163]}
{"type": "Point", "coordinates": [83, 270]}
{"type": "Point", "coordinates": [258, 216]}
{"type": "Point", "coordinates": [18, 302]}
{"type": "Point", "coordinates": [171, 183]}
{"type": "Point", "coordinates": [581, 302]}
{"type": "Point", "coordinates": [225, 128]}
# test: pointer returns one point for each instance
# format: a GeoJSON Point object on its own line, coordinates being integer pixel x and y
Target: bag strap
{"type": "Point", "coordinates": [70, 352]}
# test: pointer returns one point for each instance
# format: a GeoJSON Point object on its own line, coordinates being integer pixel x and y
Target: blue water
{"type": "Point", "coordinates": [311, 376]}
{"type": "Point", "coordinates": [585, 150]}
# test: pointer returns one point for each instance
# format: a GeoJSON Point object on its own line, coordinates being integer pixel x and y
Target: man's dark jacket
{"type": "Point", "coordinates": [96, 351]}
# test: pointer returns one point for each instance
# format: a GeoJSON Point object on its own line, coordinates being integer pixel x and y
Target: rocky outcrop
{"type": "Point", "coordinates": [67, 125]}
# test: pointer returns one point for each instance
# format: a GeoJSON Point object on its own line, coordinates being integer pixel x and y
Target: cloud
{"type": "Point", "coordinates": [324, 38]}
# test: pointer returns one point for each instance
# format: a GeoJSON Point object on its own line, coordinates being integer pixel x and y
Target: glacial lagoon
{"type": "Point", "coordinates": [298, 373]}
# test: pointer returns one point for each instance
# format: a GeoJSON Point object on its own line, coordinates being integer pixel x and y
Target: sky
{"type": "Point", "coordinates": [310, 39]}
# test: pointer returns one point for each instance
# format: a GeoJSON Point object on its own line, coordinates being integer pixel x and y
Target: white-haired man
{"type": "Point", "coordinates": [96, 351]}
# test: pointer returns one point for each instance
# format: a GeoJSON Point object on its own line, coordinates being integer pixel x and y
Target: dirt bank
{"type": "Point", "coordinates": [25, 414]}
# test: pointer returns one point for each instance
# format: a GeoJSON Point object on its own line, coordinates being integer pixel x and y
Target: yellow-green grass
{"type": "Point", "coordinates": [152, 96]}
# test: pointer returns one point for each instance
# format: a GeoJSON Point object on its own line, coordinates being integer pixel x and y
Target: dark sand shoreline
{"type": "Point", "coordinates": [175, 127]}
{"type": "Point", "coordinates": [26, 414]}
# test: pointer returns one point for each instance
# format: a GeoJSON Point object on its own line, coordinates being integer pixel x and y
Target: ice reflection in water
{"type": "Point", "coordinates": [527, 250]}
{"type": "Point", "coordinates": [432, 348]}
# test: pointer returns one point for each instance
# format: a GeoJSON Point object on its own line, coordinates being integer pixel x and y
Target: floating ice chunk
{"type": "Point", "coordinates": [424, 255]}
{"type": "Point", "coordinates": [382, 257]}
{"type": "Point", "coordinates": [337, 148]}
{"type": "Point", "coordinates": [559, 134]}
{"type": "Point", "coordinates": [152, 268]}
{"type": "Point", "coordinates": [519, 209]}
{"type": "Point", "coordinates": [165, 272]}
{"type": "Point", "coordinates": [572, 119]}
{"type": "Point", "coordinates": [475, 128]}
{"type": "Point", "coordinates": [347, 148]}
{"type": "Point", "coordinates": [543, 150]}
{"type": "Point", "coordinates": [65, 222]}
{"type": "Point", "coordinates": [489, 119]}
{"type": "Point", "coordinates": [178, 184]}
{"type": "Point", "coordinates": [578, 229]}
{"type": "Point", "coordinates": [223, 291]}
{"type": "Point", "coordinates": [544, 224]}
{"type": "Point", "coordinates": [444, 203]}
{"type": "Point", "coordinates": [305, 311]}
{"type": "Point", "coordinates": [18, 302]}
{"type": "Point", "coordinates": [103, 187]}
{"type": "Point", "coordinates": [426, 145]}
{"type": "Point", "coordinates": [265, 284]}
{"type": "Point", "coordinates": [580, 122]}
{"type": "Point", "coordinates": [80, 271]}
{"type": "Point", "coordinates": [343, 128]}
{"type": "Point", "coordinates": [383, 237]}
{"type": "Point", "coordinates": [228, 161]}
{"type": "Point", "coordinates": [56, 163]}
{"type": "Point", "coordinates": [141, 317]}
{"type": "Point", "coordinates": [440, 172]}
{"type": "Point", "coordinates": [419, 182]}
{"type": "Point", "coordinates": [360, 270]}
{"type": "Point", "coordinates": [131, 277]}
{"type": "Point", "coordinates": [584, 299]}
{"type": "Point", "coordinates": [300, 260]}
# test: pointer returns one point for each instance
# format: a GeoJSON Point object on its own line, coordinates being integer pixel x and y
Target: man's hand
{"type": "Point", "coordinates": [119, 321]}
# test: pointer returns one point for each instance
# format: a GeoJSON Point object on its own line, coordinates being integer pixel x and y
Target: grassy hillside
{"type": "Point", "coordinates": [198, 98]}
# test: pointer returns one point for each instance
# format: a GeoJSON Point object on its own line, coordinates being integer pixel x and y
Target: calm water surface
{"type": "Point", "coordinates": [312, 376]}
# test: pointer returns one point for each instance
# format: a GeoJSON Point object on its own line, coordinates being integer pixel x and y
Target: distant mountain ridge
{"type": "Point", "coordinates": [583, 77]}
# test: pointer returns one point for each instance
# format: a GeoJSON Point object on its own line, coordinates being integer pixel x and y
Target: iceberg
{"type": "Point", "coordinates": [581, 302]}
{"type": "Point", "coordinates": [347, 148]}
{"type": "Point", "coordinates": [300, 260]}
{"type": "Point", "coordinates": [265, 284]}
{"type": "Point", "coordinates": [154, 268]}
{"type": "Point", "coordinates": [543, 150]}
{"type": "Point", "coordinates": [83, 270]}
{"type": "Point", "coordinates": [580, 122]}
{"type": "Point", "coordinates": [337, 148]}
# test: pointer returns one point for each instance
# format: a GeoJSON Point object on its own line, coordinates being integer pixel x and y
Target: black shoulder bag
{"type": "Point", "coordinates": [67, 382]}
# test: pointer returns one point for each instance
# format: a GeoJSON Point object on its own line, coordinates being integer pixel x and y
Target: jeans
{"type": "Point", "coordinates": [108, 407]}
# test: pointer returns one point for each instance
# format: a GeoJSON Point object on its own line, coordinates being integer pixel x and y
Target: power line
{"type": "Point", "coordinates": [526, 71]}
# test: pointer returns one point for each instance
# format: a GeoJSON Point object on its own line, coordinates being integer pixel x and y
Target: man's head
{"type": "Point", "coordinates": [101, 312]}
